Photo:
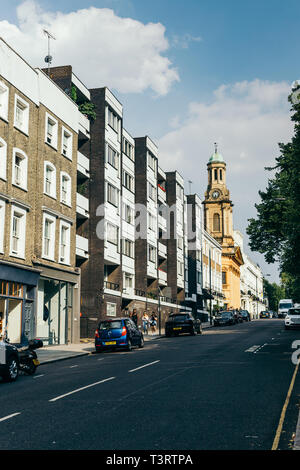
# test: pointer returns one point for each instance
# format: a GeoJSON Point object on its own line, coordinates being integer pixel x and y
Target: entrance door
{"type": "Point", "coordinates": [14, 320]}
{"type": "Point", "coordinates": [2, 317]}
{"type": "Point", "coordinates": [29, 320]}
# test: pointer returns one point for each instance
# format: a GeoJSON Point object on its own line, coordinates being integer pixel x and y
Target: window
{"type": "Point", "coordinates": [221, 175]}
{"type": "Point", "coordinates": [180, 268]}
{"type": "Point", "coordinates": [224, 277]}
{"type": "Point", "coordinates": [112, 157]}
{"type": "Point", "coordinates": [111, 311]}
{"type": "Point", "coordinates": [64, 243]}
{"type": "Point", "coordinates": [179, 191]}
{"type": "Point", "coordinates": [21, 114]}
{"type": "Point", "coordinates": [112, 195]}
{"type": "Point", "coordinates": [48, 236]}
{"type": "Point", "coordinates": [152, 223]}
{"type": "Point", "coordinates": [112, 234]}
{"type": "Point", "coordinates": [128, 248]}
{"type": "Point", "coordinates": [2, 224]}
{"type": "Point", "coordinates": [128, 214]}
{"type": "Point", "coordinates": [128, 281]}
{"type": "Point", "coordinates": [3, 157]}
{"type": "Point", "coordinates": [113, 120]}
{"type": "Point", "coordinates": [216, 223]}
{"type": "Point", "coordinates": [151, 191]}
{"type": "Point", "coordinates": [152, 253]}
{"type": "Point", "coordinates": [51, 131]}
{"type": "Point", "coordinates": [50, 180]}
{"type": "Point", "coordinates": [18, 232]}
{"type": "Point", "coordinates": [128, 181]}
{"type": "Point", "coordinates": [151, 161]}
{"type": "Point", "coordinates": [66, 143]}
{"type": "Point", "coordinates": [3, 101]}
{"type": "Point", "coordinates": [65, 189]}
{"type": "Point", "coordinates": [198, 277]}
{"type": "Point", "coordinates": [128, 149]}
{"type": "Point", "coordinates": [216, 173]}
{"type": "Point", "coordinates": [19, 170]}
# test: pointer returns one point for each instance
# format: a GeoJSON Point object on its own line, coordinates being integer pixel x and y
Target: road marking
{"type": "Point", "coordinates": [281, 421]}
{"type": "Point", "coordinates": [81, 388]}
{"type": "Point", "coordinates": [253, 348]}
{"type": "Point", "coordinates": [102, 359]}
{"type": "Point", "coordinates": [72, 367]}
{"type": "Point", "coordinates": [146, 365]}
{"type": "Point", "coordinates": [37, 376]}
{"type": "Point", "coordinates": [9, 416]}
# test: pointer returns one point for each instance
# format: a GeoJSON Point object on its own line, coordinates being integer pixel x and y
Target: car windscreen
{"type": "Point", "coordinates": [284, 306]}
{"type": "Point", "coordinates": [226, 314]}
{"type": "Point", "coordinates": [110, 325]}
{"type": "Point", "coordinates": [294, 311]}
{"type": "Point", "coordinates": [178, 317]}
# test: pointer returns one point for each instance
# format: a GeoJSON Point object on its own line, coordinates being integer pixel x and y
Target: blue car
{"type": "Point", "coordinates": [118, 333]}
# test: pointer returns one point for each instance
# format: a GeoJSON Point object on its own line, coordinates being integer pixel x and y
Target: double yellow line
{"type": "Point", "coordinates": [287, 400]}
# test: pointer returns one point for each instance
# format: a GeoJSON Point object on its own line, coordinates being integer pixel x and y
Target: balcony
{"type": "Point", "coordinates": [162, 222]}
{"type": "Point", "coordinates": [82, 247]}
{"type": "Point", "coordinates": [162, 277]}
{"type": "Point", "coordinates": [162, 250]}
{"type": "Point", "coordinates": [83, 127]}
{"type": "Point", "coordinates": [161, 194]}
{"type": "Point", "coordinates": [83, 166]}
{"type": "Point", "coordinates": [111, 285]}
{"type": "Point", "coordinates": [82, 206]}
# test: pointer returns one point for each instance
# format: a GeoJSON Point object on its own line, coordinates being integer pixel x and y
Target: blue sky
{"type": "Point", "coordinates": [228, 72]}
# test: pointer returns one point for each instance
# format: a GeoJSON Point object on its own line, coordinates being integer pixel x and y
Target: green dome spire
{"type": "Point", "coordinates": [216, 157]}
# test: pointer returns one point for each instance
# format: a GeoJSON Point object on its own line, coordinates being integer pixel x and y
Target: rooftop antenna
{"type": "Point", "coordinates": [48, 58]}
{"type": "Point", "coordinates": [190, 186]}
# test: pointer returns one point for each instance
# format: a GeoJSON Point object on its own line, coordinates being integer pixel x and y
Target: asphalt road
{"type": "Point", "coordinates": [222, 390]}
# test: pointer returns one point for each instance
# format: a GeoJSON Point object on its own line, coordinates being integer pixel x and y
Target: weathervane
{"type": "Point", "coordinates": [48, 58]}
{"type": "Point", "coordinates": [216, 147]}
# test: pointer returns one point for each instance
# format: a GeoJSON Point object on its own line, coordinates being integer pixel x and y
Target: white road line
{"type": "Point", "coordinates": [37, 376]}
{"type": "Point", "coordinates": [72, 367]}
{"type": "Point", "coordinates": [253, 348]}
{"type": "Point", "coordinates": [82, 388]}
{"type": "Point", "coordinates": [146, 365]}
{"type": "Point", "coordinates": [9, 416]}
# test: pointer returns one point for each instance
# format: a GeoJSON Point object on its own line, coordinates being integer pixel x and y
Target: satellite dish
{"type": "Point", "coordinates": [48, 59]}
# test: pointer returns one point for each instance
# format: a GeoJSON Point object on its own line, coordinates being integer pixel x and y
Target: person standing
{"type": "Point", "coordinates": [153, 323]}
{"type": "Point", "coordinates": [134, 316]}
{"type": "Point", "coordinates": [145, 320]}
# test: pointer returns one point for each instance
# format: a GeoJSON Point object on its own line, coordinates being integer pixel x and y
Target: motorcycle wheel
{"type": "Point", "coordinates": [31, 369]}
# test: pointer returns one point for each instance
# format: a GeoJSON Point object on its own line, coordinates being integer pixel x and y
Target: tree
{"type": "Point", "coordinates": [276, 230]}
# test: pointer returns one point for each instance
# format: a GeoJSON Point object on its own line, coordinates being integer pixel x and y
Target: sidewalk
{"type": "Point", "coordinates": [49, 354]}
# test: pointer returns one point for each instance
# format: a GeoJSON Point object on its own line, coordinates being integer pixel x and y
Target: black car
{"type": "Point", "coordinates": [245, 315]}
{"type": "Point", "coordinates": [225, 318]}
{"type": "Point", "coordinates": [182, 323]}
{"type": "Point", "coordinates": [9, 362]}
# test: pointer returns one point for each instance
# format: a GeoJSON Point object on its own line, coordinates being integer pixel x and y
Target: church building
{"type": "Point", "coordinates": [218, 222]}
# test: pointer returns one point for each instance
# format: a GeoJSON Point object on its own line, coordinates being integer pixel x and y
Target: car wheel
{"type": "Point", "coordinates": [142, 342]}
{"type": "Point", "coordinates": [129, 345]}
{"type": "Point", "coordinates": [193, 331]}
{"type": "Point", "coordinates": [12, 370]}
{"type": "Point", "coordinates": [200, 331]}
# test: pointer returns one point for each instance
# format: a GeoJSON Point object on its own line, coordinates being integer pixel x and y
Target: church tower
{"type": "Point", "coordinates": [218, 222]}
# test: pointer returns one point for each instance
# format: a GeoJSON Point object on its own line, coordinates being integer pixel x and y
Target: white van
{"type": "Point", "coordinates": [284, 306]}
{"type": "Point", "coordinates": [292, 319]}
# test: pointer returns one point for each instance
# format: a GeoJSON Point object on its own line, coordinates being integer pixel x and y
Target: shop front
{"type": "Point", "coordinates": [57, 319]}
{"type": "Point", "coordinates": [17, 302]}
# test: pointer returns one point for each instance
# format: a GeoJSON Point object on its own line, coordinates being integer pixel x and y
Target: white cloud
{"type": "Point", "coordinates": [103, 48]}
{"type": "Point", "coordinates": [247, 119]}
{"type": "Point", "coordinates": [183, 41]}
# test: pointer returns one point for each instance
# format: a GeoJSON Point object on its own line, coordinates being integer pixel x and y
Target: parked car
{"type": "Point", "coordinates": [182, 323]}
{"type": "Point", "coordinates": [225, 318]}
{"type": "Point", "coordinates": [238, 317]}
{"type": "Point", "coordinates": [264, 314]}
{"type": "Point", "coordinates": [292, 319]}
{"type": "Point", "coordinates": [9, 362]}
{"type": "Point", "coordinates": [118, 333]}
{"type": "Point", "coordinates": [245, 315]}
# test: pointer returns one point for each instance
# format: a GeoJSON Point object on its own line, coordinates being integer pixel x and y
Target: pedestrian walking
{"type": "Point", "coordinates": [153, 322]}
{"type": "Point", "coordinates": [134, 316]}
{"type": "Point", "coordinates": [145, 320]}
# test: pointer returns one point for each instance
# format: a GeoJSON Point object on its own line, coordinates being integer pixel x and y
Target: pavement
{"type": "Point", "coordinates": [49, 354]}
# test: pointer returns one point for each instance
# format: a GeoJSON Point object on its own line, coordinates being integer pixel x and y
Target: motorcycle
{"type": "Point", "coordinates": [28, 360]}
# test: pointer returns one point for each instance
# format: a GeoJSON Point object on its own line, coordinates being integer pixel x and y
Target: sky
{"type": "Point", "coordinates": [189, 73]}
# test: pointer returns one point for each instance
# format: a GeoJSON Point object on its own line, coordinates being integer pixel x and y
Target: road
{"type": "Point", "coordinates": [222, 390]}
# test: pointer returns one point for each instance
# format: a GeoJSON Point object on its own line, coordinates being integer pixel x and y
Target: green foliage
{"type": "Point", "coordinates": [274, 292]}
{"type": "Point", "coordinates": [276, 230]}
{"type": "Point", "coordinates": [89, 110]}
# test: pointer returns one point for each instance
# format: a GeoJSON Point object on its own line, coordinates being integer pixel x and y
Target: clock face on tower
{"type": "Point", "coordinates": [215, 194]}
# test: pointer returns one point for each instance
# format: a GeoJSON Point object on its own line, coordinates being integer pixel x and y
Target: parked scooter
{"type": "Point", "coordinates": [28, 360]}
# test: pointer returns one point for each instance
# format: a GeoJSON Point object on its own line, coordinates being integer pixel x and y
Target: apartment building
{"type": "Point", "coordinates": [39, 138]}
{"type": "Point", "coordinates": [213, 297]}
{"type": "Point", "coordinates": [252, 292]}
